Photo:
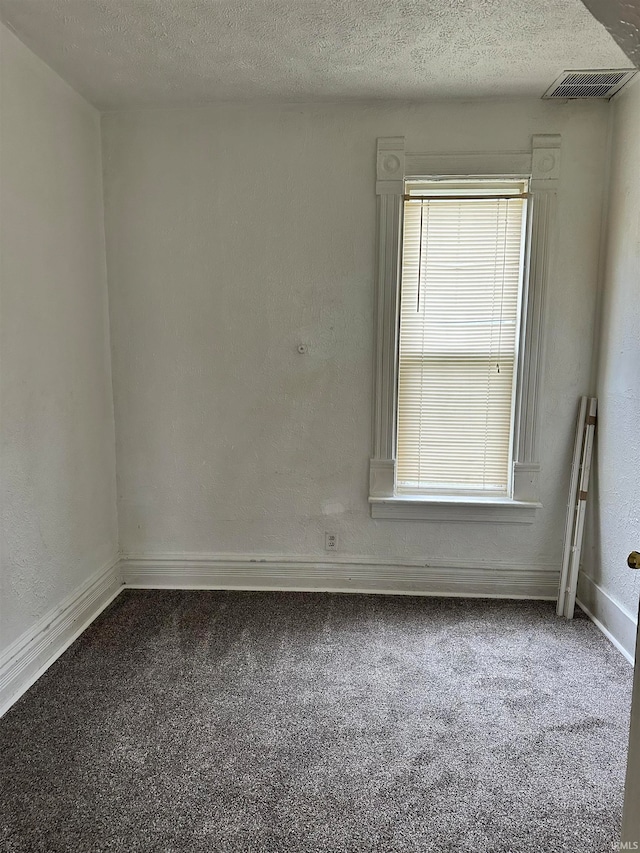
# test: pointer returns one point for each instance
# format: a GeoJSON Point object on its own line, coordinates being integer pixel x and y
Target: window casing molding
{"type": "Point", "coordinates": [542, 166]}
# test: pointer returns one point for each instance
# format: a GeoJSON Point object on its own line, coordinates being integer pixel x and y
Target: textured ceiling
{"type": "Point", "coordinates": [121, 53]}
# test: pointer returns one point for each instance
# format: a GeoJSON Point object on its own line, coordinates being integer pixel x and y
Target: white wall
{"type": "Point", "coordinates": [57, 459]}
{"type": "Point", "coordinates": [236, 233]}
{"type": "Point", "coordinates": [615, 516]}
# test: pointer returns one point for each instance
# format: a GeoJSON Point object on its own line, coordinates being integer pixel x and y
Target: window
{"type": "Point", "coordinates": [464, 263]}
{"type": "Point", "coordinates": [460, 296]}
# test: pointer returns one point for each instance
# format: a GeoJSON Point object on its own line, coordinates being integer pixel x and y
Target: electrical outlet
{"type": "Point", "coordinates": [330, 541]}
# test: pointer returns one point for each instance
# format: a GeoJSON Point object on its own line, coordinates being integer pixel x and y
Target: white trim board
{"type": "Point", "coordinates": [495, 579]}
{"type": "Point", "coordinates": [615, 621]}
{"type": "Point", "coordinates": [393, 166]}
{"type": "Point", "coordinates": [450, 508]}
{"type": "Point", "coordinates": [28, 657]}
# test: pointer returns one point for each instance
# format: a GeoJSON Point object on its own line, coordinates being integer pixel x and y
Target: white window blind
{"type": "Point", "coordinates": [461, 286]}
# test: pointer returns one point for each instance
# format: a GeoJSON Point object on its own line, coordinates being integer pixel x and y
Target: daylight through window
{"type": "Point", "coordinates": [461, 295]}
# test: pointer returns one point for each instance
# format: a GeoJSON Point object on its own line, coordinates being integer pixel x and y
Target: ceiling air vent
{"type": "Point", "coordinates": [589, 84]}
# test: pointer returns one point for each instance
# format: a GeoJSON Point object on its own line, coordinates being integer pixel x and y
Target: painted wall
{"type": "Point", "coordinates": [57, 459]}
{"type": "Point", "coordinates": [615, 517]}
{"type": "Point", "coordinates": [237, 233]}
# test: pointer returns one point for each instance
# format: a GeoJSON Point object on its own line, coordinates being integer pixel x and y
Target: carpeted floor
{"type": "Point", "coordinates": [193, 722]}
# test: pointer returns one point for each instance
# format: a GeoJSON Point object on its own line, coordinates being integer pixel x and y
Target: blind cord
{"type": "Point", "coordinates": [504, 267]}
{"type": "Point", "coordinates": [420, 259]}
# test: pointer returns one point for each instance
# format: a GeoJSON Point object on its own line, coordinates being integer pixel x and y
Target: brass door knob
{"type": "Point", "coordinates": [633, 560]}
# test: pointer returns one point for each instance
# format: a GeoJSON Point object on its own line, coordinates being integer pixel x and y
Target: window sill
{"type": "Point", "coordinates": [452, 508]}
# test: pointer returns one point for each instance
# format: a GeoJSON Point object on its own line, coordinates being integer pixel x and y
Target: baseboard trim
{"type": "Point", "coordinates": [26, 659]}
{"type": "Point", "coordinates": [615, 621]}
{"type": "Point", "coordinates": [349, 574]}
{"type": "Point", "coordinates": [33, 653]}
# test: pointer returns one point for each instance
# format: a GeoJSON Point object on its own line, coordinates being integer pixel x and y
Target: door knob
{"type": "Point", "coordinates": [633, 560]}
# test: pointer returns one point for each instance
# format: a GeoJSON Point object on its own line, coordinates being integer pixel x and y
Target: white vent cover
{"type": "Point", "coordinates": [590, 84]}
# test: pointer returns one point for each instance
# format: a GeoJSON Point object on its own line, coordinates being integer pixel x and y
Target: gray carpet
{"type": "Point", "coordinates": [196, 721]}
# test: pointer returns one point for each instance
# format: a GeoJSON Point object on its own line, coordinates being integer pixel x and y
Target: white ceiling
{"type": "Point", "coordinates": [122, 53]}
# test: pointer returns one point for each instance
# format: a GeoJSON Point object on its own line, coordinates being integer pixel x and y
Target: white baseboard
{"type": "Point", "coordinates": [33, 653]}
{"type": "Point", "coordinates": [342, 574]}
{"type": "Point", "coordinates": [616, 622]}
{"type": "Point", "coordinates": [26, 659]}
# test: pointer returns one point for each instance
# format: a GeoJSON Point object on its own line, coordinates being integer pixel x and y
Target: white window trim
{"type": "Point", "coordinates": [542, 166]}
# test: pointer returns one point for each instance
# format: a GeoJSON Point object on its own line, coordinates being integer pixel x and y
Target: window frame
{"type": "Point", "coordinates": [478, 187]}
{"type": "Point", "coordinates": [541, 166]}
